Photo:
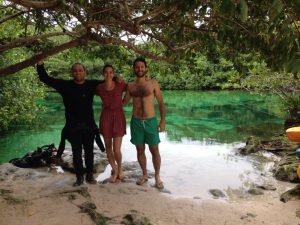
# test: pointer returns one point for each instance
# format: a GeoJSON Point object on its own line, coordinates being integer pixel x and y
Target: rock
{"type": "Point", "coordinates": [286, 169]}
{"type": "Point", "coordinates": [217, 193]}
{"type": "Point", "coordinates": [166, 191]}
{"type": "Point", "coordinates": [252, 146]}
{"type": "Point", "coordinates": [268, 187]}
{"type": "Point", "coordinates": [87, 206]}
{"type": "Point", "coordinates": [247, 216]}
{"type": "Point", "coordinates": [90, 209]}
{"type": "Point", "coordinates": [100, 165]}
{"type": "Point", "coordinates": [7, 195]}
{"type": "Point", "coordinates": [135, 218]}
{"type": "Point", "coordinates": [298, 213]}
{"type": "Point", "coordinates": [100, 161]}
{"type": "Point", "coordinates": [255, 191]}
{"type": "Point", "coordinates": [277, 145]}
{"type": "Point", "coordinates": [292, 194]}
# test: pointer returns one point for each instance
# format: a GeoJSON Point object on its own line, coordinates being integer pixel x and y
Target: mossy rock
{"type": "Point", "coordinates": [293, 194]}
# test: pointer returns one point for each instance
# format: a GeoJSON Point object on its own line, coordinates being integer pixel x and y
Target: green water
{"type": "Point", "coordinates": [224, 117]}
{"type": "Point", "coordinates": [212, 117]}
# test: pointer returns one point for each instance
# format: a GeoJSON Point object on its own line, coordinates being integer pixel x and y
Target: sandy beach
{"type": "Point", "coordinates": [45, 197]}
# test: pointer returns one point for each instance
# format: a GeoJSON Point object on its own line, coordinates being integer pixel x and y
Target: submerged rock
{"type": "Point", "coordinates": [217, 193]}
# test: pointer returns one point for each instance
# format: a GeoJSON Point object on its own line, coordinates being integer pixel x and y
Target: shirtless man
{"type": "Point", "coordinates": [143, 125]}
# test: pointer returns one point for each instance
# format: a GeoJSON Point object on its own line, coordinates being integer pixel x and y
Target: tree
{"type": "Point", "coordinates": [182, 26]}
{"type": "Point", "coordinates": [284, 85]}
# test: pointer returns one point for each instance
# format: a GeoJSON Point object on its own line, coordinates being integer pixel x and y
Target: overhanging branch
{"type": "Point", "coordinates": [12, 16]}
{"type": "Point", "coordinates": [28, 40]}
{"type": "Point", "coordinates": [168, 44]}
{"type": "Point", "coordinates": [37, 4]}
{"type": "Point", "coordinates": [34, 59]}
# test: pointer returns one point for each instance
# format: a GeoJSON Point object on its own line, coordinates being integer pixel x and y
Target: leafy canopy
{"type": "Point", "coordinates": [181, 26]}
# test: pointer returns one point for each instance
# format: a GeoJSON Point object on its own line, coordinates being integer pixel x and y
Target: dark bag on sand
{"type": "Point", "coordinates": [38, 158]}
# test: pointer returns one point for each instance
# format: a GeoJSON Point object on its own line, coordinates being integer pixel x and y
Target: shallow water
{"type": "Point", "coordinates": [191, 168]}
{"type": "Point", "coordinates": [199, 148]}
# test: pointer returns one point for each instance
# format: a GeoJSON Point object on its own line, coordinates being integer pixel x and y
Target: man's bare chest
{"type": "Point", "coordinates": [142, 90]}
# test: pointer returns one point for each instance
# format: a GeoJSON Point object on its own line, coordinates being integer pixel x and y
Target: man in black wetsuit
{"type": "Point", "coordinates": [78, 97]}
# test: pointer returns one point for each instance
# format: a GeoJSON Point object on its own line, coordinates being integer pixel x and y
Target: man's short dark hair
{"type": "Point", "coordinates": [106, 66]}
{"type": "Point", "coordinates": [78, 64]}
{"type": "Point", "coordinates": [140, 60]}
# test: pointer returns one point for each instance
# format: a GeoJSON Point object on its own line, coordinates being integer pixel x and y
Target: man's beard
{"type": "Point", "coordinates": [140, 75]}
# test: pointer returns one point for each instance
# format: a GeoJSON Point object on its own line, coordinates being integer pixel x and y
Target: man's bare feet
{"type": "Point", "coordinates": [158, 182]}
{"type": "Point", "coordinates": [141, 180]}
{"type": "Point", "coordinates": [159, 185]}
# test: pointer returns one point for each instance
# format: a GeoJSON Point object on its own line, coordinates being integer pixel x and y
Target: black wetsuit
{"type": "Point", "coordinates": [80, 122]}
{"type": "Point", "coordinates": [63, 138]}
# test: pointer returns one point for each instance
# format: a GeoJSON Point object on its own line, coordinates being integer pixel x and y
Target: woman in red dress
{"type": "Point", "coordinates": [112, 120]}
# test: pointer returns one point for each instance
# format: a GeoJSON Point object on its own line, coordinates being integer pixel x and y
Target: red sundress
{"type": "Point", "coordinates": [112, 118]}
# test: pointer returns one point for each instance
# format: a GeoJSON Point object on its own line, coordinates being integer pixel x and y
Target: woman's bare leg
{"type": "Point", "coordinates": [117, 142]}
{"type": "Point", "coordinates": [111, 158]}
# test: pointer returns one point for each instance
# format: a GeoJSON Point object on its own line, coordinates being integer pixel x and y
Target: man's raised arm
{"type": "Point", "coordinates": [45, 78]}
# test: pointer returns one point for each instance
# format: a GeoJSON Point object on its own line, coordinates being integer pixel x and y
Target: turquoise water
{"type": "Point", "coordinates": [222, 117]}
{"type": "Point", "coordinates": [199, 148]}
{"type": "Point", "coordinates": [211, 117]}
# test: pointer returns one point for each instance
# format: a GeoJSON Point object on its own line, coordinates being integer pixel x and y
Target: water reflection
{"type": "Point", "coordinates": [192, 168]}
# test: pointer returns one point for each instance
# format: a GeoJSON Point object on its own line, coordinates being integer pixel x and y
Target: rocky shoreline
{"type": "Point", "coordinates": [285, 169]}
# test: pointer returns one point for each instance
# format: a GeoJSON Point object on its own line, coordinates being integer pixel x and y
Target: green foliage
{"type": "Point", "coordinates": [271, 28]}
{"type": "Point", "coordinates": [18, 96]}
{"type": "Point", "coordinates": [182, 26]}
{"type": "Point", "coordinates": [197, 74]}
{"type": "Point", "coordinates": [18, 93]}
{"type": "Point", "coordinates": [243, 7]}
{"type": "Point", "coordinates": [285, 85]}
{"type": "Point", "coordinates": [229, 34]}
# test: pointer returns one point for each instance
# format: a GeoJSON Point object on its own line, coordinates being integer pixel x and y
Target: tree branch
{"type": "Point", "coordinates": [12, 16]}
{"type": "Point", "coordinates": [28, 40]}
{"type": "Point", "coordinates": [34, 59]}
{"type": "Point", "coordinates": [116, 41]}
{"type": "Point", "coordinates": [128, 12]}
{"type": "Point", "coordinates": [157, 11]}
{"type": "Point", "coordinates": [167, 43]}
{"type": "Point", "coordinates": [37, 4]}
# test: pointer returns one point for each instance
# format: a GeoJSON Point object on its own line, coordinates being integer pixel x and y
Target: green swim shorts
{"type": "Point", "coordinates": [144, 131]}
